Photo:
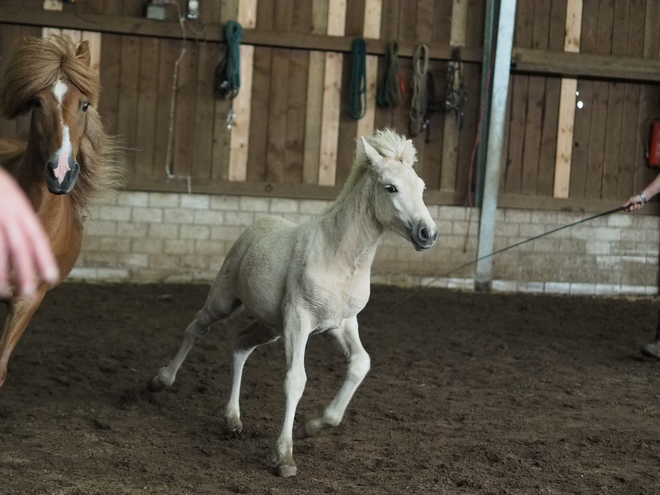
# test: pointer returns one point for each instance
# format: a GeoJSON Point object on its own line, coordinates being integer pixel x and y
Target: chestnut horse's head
{"type": "Point", "coordinates": [52, 78]}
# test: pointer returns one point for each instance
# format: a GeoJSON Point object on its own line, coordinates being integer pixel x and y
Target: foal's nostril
{"type": "Point", "coordinates": [423, 234]}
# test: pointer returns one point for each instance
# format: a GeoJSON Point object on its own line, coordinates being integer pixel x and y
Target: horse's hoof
{"type": "Point", "coordinates": [234, 426]}
{"type": "Point", "coordinates": [155, 384]}
{"type": "Point", "coordinates": [287, 471]}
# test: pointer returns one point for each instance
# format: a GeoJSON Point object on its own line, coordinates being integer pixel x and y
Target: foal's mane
{"type": "Point", "coordinates": [388, 144]}
{"type": "Point", "coordinates": [35, 64]}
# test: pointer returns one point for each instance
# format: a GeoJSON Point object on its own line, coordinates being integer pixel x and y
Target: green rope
{"type": "Point", "coordinates": [357, 92]}
{"type": "Point", "coordinates": [228, 73]}
{"type": "Point", "coordinates": [389, 92]}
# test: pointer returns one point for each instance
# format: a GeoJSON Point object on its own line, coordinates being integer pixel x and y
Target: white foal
{"type": "Point", "coordinates": [314, 277]}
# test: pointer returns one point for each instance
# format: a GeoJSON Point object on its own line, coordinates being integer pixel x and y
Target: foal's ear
{"type": "Point", "coordinates": [372, 155]}
{"type": "Point", "coordinates": [83, 52]}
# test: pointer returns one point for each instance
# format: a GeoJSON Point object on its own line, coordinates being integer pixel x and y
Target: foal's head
{"type": "Point", "coordinates": [398, 191]}
{"type": "Point", "coordinates": [52, 78]}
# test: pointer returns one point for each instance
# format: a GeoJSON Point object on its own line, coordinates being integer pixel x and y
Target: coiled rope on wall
{"type": "Point", "coordinates": [391, 90]}
{"type": "Point", "coordinates": [357, 93]}
{"type": "Point", "coordinates": [228, 72]}
{"type": "Point", "coordinates": [420, 95]}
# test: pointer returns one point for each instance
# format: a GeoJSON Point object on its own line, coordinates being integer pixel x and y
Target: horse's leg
{"type": "Point", "coordinates": [199, 327]}
{"type": "Point", "coordinates": [20, 313]}
{"type": "Point", "coordinates": [358, 367]}
{"type": "Point", "coordinates": [245, 342]}
{"type": "Point", "coordinates": [296, 333]}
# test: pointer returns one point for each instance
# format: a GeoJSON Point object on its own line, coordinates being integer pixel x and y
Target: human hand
{"type": "Point", "coordinates": [24, 246]}
{"type": "Point", "coordinates": [634, 203]}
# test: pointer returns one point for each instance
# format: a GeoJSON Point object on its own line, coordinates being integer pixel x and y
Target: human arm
{"type": "Point", "coordinates": [637, 201]}
{"type": "Point", "coordinates": [24, 246]}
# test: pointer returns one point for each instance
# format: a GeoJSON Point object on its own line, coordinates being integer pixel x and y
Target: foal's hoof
{"type": "Point", "coordinates": [234, 426]}
{"type": "Point", "coordinates": [155, 384]}
{"type": "Point", "coordinates": [287, 471]}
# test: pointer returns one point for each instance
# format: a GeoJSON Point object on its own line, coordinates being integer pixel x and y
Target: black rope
{"type": "Point", "coordinates": [228, 73]}
{"type": "Point", "coordinates": [357, 92]}
{"type": "Point", "coordinates": [615, 210]}
{"type": "Point", "coordinates": [389, 92]}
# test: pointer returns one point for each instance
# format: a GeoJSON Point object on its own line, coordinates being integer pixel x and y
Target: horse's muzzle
{"type": "Point", "coordinates": [424, 236]}
{"type": "Point", "coordinates": [68, 181]}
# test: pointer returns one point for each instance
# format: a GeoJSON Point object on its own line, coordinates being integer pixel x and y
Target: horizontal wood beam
{"type": "Point", "coordinates": [267, 189]}
{"type": "Point", "coordinates": [571, 64]}
{"type": "Point", "coordinates": [568, 204]}
{"type": "Point", "coordinates": [138, 26]}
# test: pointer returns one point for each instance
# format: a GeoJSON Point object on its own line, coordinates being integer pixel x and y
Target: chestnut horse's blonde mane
{"type": "Point", "coordinates": [36, 64]}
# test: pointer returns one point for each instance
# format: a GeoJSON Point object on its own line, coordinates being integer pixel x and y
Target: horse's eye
{"type": "Point", "coordinates": [35, 103]}
{"type": "Point", "coordinates": [391, 189]}
{"type": "Point", "coordinates": [85, 106]}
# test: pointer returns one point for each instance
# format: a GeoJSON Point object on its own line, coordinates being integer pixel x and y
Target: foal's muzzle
{"type": "Point", "coordinates": [423, 236]}
{"type": "Point", "coordinates": [68, 181]}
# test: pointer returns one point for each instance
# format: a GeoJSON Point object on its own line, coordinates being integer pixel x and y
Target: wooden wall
{"type": "Point", "coordinates": [297, 138]}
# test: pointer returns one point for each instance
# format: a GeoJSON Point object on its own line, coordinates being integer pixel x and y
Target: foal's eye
{"type": "Point", "coordinates": [85, 106]}
{"type": "Point", "coordinates": [391, 189]}
{"type": "Point", "coordinates": [35, 103]}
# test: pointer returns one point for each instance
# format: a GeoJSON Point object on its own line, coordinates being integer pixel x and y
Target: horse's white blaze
{"type": "Point", "coordinates": [64, 153]}
{"type": "Point", "coordinates": [59, 90]}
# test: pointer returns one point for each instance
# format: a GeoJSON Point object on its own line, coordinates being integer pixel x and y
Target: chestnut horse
{"type": "Point", "coordinates": [67, 157]}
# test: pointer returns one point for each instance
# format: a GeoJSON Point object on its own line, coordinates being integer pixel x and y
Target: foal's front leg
{"type": "Point", "coordinates": [358, 367]}
{"type": "Point", "coordinates": [297, 327]}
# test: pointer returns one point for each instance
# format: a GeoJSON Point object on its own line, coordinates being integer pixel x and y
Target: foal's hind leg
{"type": "Point", "coordinates": [358, 367]}
{"type": "Point", "coordinates": [200, 326]}
{"type": "Point", "coordinates": [245, 342]}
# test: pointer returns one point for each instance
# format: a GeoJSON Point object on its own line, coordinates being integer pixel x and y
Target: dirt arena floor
{"type": "Point", "coordinates": [468, 393]}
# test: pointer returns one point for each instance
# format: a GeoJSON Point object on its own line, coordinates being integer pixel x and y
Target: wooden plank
{"type": "Point", "coordinates": [567, 101]}
{"type": "Point", "coordinates": [520, 84]}
{"type": "Point", "coordinates": [331, 97]}
{"type": "Point", "coordinates": [389, 29]}
{"type": "Point", "coordinates": [184, 130]}
{"type": "Point", "coordinates": [430, 161]}
{"type": "Point", "coordinates": [214, 32]}
{"type": "Point", "coordinates": [314, 107]}
{"type": "Point", "coordinates": [599, 112]}
{"type": "Point", "coordinates": [128, 99]}
{"type": "Point", "coordinates": [146, 106]}
{"type": "Point", "coordinates": [628, 159]}
{"type": "Point", "coordinates": [295, 118]}
{"type": "Point", "coordinates": [240, 132]}
{"type": "Point", "coordinates": [169, 52]}
{"type": "Point", "coordinates": [371, 29]}
{"type": "Point", "coordinates": [10, 35]}
{"type": "Point", "coordinates": [111, 62]}
{"type": "Point", "coordinates": [277, 113]}
{"type": "Point", "coordinates": [263, 189]}
{"type": "Point", "coordinates": [450, 137]}
{"type": "Point", "coordinates": [615, 107]}
{"type": "Point", "coordinates": [221, 134]}
{"type": "Point", "coordinates": [94, 40]}
{"type": "Point", "coordinates": [261, 86]}
{"type": "Point", "coordinates": [535, 103]}
{"type": "Point", "coordinates": [204, 112]}
{"type": "Point", "coordinates": [347, 126]}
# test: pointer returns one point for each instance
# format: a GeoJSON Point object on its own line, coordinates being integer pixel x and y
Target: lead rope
{"type": "Point", "coordinates": [390, 92]}
{"type": "Point", "coordinates": [420, 95]}
{"type": "Point", "coordinates": [615, 210]}
{"type": "Point", "coordinates": [357, 92]}
{"type": "Point", "coordinates": [228, 72]}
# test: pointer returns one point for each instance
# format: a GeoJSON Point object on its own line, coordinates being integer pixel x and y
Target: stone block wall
{"type": "Point", "coordinates": [167, 237]}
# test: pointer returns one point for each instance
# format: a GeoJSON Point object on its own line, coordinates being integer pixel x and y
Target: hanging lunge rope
{"type": "Point", "coordinates": [357, 92]}
{"type": "Point", "coordinates": [420, 95]}
{"type": "Point", "coordinates": [391, 90]}
{"type": "Point", "coordinates": [228, 72]}
{"type": "Point", "coordinates": [615, 210]}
